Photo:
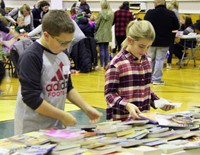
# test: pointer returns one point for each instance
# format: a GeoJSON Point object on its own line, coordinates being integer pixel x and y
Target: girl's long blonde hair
{"type": "Point", "coordinates": [139, 30]}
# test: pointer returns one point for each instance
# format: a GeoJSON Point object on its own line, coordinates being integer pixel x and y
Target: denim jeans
{"type": "Point", "coordinates": [157, 55]}
{"type": "Point", "coordinates": [104, 54]}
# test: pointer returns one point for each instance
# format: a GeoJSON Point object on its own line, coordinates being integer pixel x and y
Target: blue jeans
{"type": "Point", "coordinates": [157, 55]}
{"type": "Point", "coordinates": [104, 54]}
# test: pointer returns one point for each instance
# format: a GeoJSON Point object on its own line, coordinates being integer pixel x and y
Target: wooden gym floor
{"type": "Point", "coordinates": [181, 85]}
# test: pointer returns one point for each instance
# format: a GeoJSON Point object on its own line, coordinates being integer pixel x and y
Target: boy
{"type": "Point", "coordinates": [45, 80]}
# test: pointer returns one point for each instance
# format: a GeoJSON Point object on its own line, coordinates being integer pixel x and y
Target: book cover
{"type": "Point", "coordinates": [145, 150]}
{"type": "Point", "coordinates": [106, 149]}
{"type": "Point", "coordinates": [29, 140]}
{"type": "Point", "coordinates": [62, 135]}
{"type": "Point", "coordinates": [11, 146]}
{"type": "Point", "coordinates": [175, 121]}
{"type": "Point", "coordinates": [150, 117]}
{"type": "Point", "coordinates": [37, 149]}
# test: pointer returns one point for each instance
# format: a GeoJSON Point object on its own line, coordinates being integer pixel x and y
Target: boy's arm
{"type": "Point", "coordinates": [74, 97]}
{"type": "Point", "coordinates": [50, 111]}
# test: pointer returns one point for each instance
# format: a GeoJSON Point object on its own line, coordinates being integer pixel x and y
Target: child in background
{"type": "Point", "coordinates": [73, 13]}
{"type": "Point", "coordinates": [128, 76]}
{"type": "Point", "coordinates": [21, 28]}
{"type": "Point", "coordinates": [92, 21]}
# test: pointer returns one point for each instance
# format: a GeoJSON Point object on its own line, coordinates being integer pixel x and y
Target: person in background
{"type": "Point", "coordinates": [3, 6]}
{"type": "Point", "coordinates": [82, 7]}
{"type": "Point", "coordinates": [121, 19]}
{"type": "Point", "coordinates": [128, 76]}
{"type": "Point", "coordinates": [73, 13]}
{"type": "Point", "coordinates": [40, 9]}
{"type": "Point", "coordinates": [177, 48]}
{"type": "Point", "coordinates": [21, 28]}
{"type": "Point", "coordinates": [45, 81]}
{"type": "Point", "coordinates": [103, 31]}
{"type": "Point", "coordinates": [24, 11]}
{"type": "Point", "coordinates": [85, 27]}
{"type": "Point", "coordinates": [2, 67]}
{"type": "Point", "coordinates": [173, 6]}
{"type": "Point", "coordinates": [92, 20]}
{"type": "Point", "coordinates": [164, 22]}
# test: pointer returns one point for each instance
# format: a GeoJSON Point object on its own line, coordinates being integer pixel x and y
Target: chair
{"type": "Point", "coordinates": [18, 49]}
{"type": "Point", "coordinates": [9, 66]}
{"type": "Point", "coordinates": [192, 54]}
{"type": "Point", "coordinates": [192, 49]}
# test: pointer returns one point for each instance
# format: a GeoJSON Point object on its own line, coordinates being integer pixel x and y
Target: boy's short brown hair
{"type": "Point", "coordinates": [56, 22]}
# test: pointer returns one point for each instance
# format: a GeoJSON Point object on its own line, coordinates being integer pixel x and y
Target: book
{"type": "Point", "coordinates": [155, 143]}
{"type": "Point", "coordinates": [135, 122]}
{"type": "Point", "coordinates": [145, 150]}
{"type": "Point", "coordinates": [62, 135]}
{"type": "Point", "coordinates": [29, 139]}
{"type": "Point", "coordinates": [121, 133]}
{"type": "Point", "coordinates": [130, 143]}
{"type": "Point", "coordinates": [162, 102]}
{"type": "Point", "coordinates": [65, 146]}
{"type": "Point", "coordinates": [11, 146]}
{"type": "Point", "coordinates": [158, 130]}
{"type": "Point", "coordinates": [162, 134]}
{"type": "Point", "coordinates": [106, 149]}
{"type": "Point", "coordinates": [137, 134]}
{"type": "Point", "coordinates": [72, 151]}
{"type": "Point", "coordinates": [175, 121]}
{"type": "Point", "coordinates": [107, 129]}
{"type": "Point", "coordinates": [169, 148]}
{"type": "Point", "coordinates": [149, 116]}
{"type": "Point", "coordinates": [37, 149]}
{"type": "Point", "coordinates": [94, 145]}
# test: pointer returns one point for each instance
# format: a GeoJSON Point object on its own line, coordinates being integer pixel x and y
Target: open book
{"type": "Point", "coordinates": [175, 120]}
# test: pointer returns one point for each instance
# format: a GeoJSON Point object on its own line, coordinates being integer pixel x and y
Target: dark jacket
{"type": "Point", "coordinates": [85, 27]}
{"type": "Point", "coordinates": [37, 16]}
{"type": "Point", "coordinates": [163, 21]}
{"type": "Point", "coordinates": [84, 55]}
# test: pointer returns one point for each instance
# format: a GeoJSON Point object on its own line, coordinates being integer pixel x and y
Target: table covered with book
{"type": "Point", "coordinates": [154, 134]}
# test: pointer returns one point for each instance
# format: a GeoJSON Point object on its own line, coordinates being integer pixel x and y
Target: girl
{"type": "Point", "coordinates": [128, 76]}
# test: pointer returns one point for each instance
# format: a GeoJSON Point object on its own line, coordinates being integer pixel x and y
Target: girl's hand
{"type": "Point", "coordinates": [133, 111]}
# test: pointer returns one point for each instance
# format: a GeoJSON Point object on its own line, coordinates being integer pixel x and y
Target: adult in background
{"type": "Point", "coordinates": [172, 5]}
{"type": "Point", "coordinates": [82, 8]}
{"type": "Point", "coordinates": [3, 6]}
{"type": "Point", "coordinates": [40, 9]}
{"type": "Point", "coordinates": [122, 17]}
{"type": "Point", "coordinates": [177, 48]}
{"type": "Point", "coordinates": [23, 11]}
{"type": "Point", "coordinates": [103, 31]}
{"type": "Point", "coordinates": [164, 22]}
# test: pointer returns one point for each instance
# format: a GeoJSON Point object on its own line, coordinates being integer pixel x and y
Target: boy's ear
{"type": "Point", "coordinates": [46, 35]}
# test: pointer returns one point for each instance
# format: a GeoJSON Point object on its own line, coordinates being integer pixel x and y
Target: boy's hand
{"type": "Point", "coordinates": [133, 111]}
{"type": "Point", "coordinates": [93, 114]}
{"type": "Point", "coordinates": [68, 119]}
